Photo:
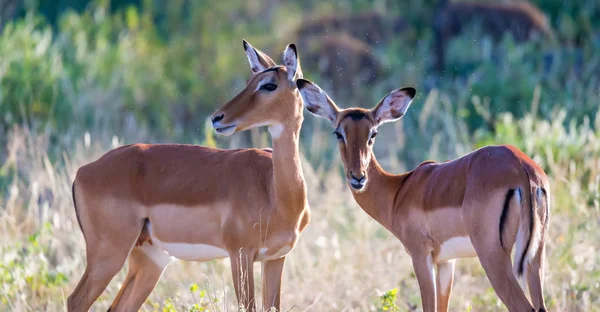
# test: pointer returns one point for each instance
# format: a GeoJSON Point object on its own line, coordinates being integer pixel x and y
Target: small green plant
{"type": "Point", "coordinates": [168, 306]}
{"type": "Point", "coordinates": [25, 271]}
{"type": "Point", "coordinates": [200, 300]}
{"type": "Point", "coordinates": [388, 301]}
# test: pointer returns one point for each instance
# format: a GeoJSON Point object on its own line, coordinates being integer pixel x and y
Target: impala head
{"type": "Point", "coordinates": [356, 128]}
{"type": "Point", "coordinates": [265, 99]}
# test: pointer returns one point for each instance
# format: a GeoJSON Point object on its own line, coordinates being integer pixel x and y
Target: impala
{"type": "Point", "coordinates": [149, 203]}
{"type": "Point", "coordinates": [479, 205]}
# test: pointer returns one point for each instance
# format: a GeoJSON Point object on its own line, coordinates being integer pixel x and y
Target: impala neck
{"type": "Point", "coordinates": [379, 196]}
{"type": "Point", "coordinates": [289, 188]}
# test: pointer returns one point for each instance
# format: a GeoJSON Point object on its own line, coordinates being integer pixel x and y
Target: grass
{"type": "Point", "coordinates": [344, 261]}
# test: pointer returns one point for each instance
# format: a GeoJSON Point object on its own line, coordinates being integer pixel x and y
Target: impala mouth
{"type": "Point", "coordinates": [357, 185]}
{"type": "Point", "coordinates": [225, 130]}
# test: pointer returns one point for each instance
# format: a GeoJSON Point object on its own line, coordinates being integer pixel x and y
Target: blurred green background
{"type": "Point", "coordinates": [78, 78]}
{"type": "Point", "coordinates": [160, 67]}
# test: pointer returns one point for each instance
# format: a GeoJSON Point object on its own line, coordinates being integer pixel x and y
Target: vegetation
{"type": "Point", "coordinates": [75, 84]}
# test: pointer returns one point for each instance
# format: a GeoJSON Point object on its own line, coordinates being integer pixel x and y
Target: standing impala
{"type": "Point", "coordinates": [151, 203]}
{"type": "Point", "coordinates": [478, 205]}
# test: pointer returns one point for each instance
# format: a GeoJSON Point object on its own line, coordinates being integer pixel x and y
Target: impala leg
{"type": "Point", "coordinates": [272, 275]}
{"type": "Point", "coordinates": [498, 267]}
{"type": "Point", "coordinates": [108, 243]}
{"type": "Point", "coordinates": [424, 270]}
{"type": "Point", "coordinates": [445, 278]}
{"type": "Point", "coordinates": [103, 262]}
{"type": "Point", "coordinates": [146, 264]}
{"type": "Point", "coordinates": [535, 278]}
{"type": "Point", "coordinates": [243, 279]}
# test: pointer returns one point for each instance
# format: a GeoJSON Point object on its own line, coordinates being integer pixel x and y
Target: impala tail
{"type": "Point", "coordinates": [532, 228]}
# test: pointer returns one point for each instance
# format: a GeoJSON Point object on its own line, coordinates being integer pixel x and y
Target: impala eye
{"type": "Point", "coordinates": [339, 136]}
{"type": "Point", "coordinates": [269, 87]}
{"type": "Point", "coordinates": [372, 138]}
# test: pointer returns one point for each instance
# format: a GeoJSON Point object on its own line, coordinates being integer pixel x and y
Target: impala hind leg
{"type": "Point", "coordinates": [146, 264]}
{"type": "Point", "coordinates": [444, 277]}
{"type": "Point", "coordinates": [104, 261]}
{"type": "Point", "coordinates": [535, 278]}
{"type": "Point", "coordinates": [497, 266]}
{"type": "Point", "coordinates": [243, 278]}
{"type": "Point", "coordinates": [108, 243]}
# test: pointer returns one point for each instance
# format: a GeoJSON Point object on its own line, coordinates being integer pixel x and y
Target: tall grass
{"type": "Point", "coordinates": [344, 260]}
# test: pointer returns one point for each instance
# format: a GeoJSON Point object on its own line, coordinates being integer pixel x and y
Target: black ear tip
{"type": "Point", "coordinates": [301, 83]}
{"type": "Point", "coordinates": [410, 91]}
{"type": "Point", "coordinates": [293, 47]}
{"type": "Point", "coordinates": [245, 44]}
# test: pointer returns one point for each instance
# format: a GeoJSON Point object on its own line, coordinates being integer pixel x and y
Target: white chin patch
{"type": "Point", "coordinates": [276, 130]}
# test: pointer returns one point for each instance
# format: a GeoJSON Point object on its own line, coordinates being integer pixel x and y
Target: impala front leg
{"type": "Point", "coordinates": [272, 273]}
{"type": "Point", "coordinates": [424, 270]}
{"type": "Point", "coordinates": [243, 278]}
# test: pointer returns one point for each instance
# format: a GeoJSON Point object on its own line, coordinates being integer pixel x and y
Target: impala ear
{"type": "Point", "coordinates": [317, 101]}
{"type": "Point", "coordinates": [394, 105]}
{"type": "Point", "coordinates": [258, 60]}
{"type": "Point", "coordinates": [292, 62]}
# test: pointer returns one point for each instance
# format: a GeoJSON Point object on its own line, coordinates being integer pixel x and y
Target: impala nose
{"type": "Point", "coordinates": [217, 118]}
{"type": "Point", "coordinates": [358, 183]}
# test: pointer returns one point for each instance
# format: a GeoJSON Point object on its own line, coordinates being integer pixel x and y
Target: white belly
{"type": "Point", "coordinates": [188, 252]}
{"type": "Point", "coordinates": [456, 247]}
{"type": "Point", "coordinates": [191, 252]}
{"type": "Point", "coordinates": [266, 254]}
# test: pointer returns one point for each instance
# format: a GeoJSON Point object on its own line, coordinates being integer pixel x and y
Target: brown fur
{"type": "Point", "coordinates": [521, 19]}
{"type": "Point", "coordinates": [436, 202]}
{"type": "Point", "coordinates": [242, 201]}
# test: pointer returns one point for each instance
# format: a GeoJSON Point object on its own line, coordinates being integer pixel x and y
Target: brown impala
{"type": "Point", "coordinates": [478, 205]}
{"type": "Point", "coordinates": [151, 203]}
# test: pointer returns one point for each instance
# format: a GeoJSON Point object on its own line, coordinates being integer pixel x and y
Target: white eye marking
{"type": "Point", "coordinates": [373, 131]}
{"type": "Point", "coordinates": [263, 82]}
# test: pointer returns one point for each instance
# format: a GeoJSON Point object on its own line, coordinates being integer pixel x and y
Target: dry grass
{"type": "Point", "coordinates": [343, 261]}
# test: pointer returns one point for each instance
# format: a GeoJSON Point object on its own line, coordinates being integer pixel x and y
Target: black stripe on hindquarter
{"type": "Point", "coordinates": [504, 214]}
{"type": "Point", "coordinates": [75, 205]}
{"type": "Point", "coordinates": [545, 202]}
{"type": "Point", "coordinates": [531, 212]}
